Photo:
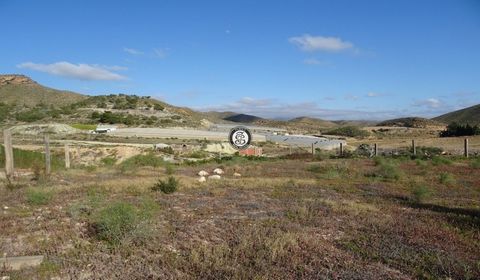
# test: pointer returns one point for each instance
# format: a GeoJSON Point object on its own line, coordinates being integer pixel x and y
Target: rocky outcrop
{"type": "Point", "coordinates": [15, 80]}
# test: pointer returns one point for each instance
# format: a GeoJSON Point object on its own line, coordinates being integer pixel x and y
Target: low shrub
{"type": "Point", "coordinates": [32, 115]}
{"type": "Point", "coordinates": [379, 161]}
{"type": "Point", "coordinates": [390, 170]}
{"type": "Point", "coordinates": [109, 161]}
{"type": "Point", "coordinates": [38, 197]}
{"type": "Point", "coordinates": [439, 160]}
{"type": "Point", "coordinates": [149, 159]}
{"type": "Point", "coordinates": [169, 186]}
{"type": "Point", "coordinates": [167, 150]}
{"type": "Point", "coordinates": [420, 193]}
{"type": "Point", "coordinates": [198, 154]}
{"type": "Point", "coordinates": [420, 163]}
{"type": "Point", "coordinates": [475, 163]}
{"type": "Point", "coordinates": [329, 171]}
{"type": "Point", "coordinates": [386, 169]}
{"type": "Point", "coordinates": [120, 222]}
{"type": "Point", "coordinates": [4, 111]}
{"type": "Point", "coordinates": [447, 179]}
{"type": "Point", "coordinates": [158, 107]}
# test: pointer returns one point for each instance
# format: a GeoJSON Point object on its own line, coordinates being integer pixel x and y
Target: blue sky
{"type": "Point", "coordinates": [281, 59]}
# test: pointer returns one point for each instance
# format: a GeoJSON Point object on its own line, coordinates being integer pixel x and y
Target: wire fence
{"type": "Point", "coordinates": [57, 154]}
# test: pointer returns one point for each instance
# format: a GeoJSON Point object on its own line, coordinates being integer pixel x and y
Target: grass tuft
{"type": "Point", "coordinates": [123, 222]}
{"type": "Point", "coordinates": [170, 169]}
{"type": "Point", "coordinates": [38, 197]}
{"type": "Point", "coordinates": [169, 186]}
{"type": "Point", "coordinates": [447, 179]}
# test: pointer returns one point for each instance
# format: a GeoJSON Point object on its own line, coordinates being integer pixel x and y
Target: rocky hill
{"type": "Point", "coordinates": [23, 100]}
{"type": "Point", "coordinates": [20, 90]}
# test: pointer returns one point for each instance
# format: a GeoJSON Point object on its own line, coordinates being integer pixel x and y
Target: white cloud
{"type": "Point", "coordinates": [112, 68]}
{"type": "Point", "coordinates": [132, 51]}
{"type": "Point", "coordinates": [311, 43]}
{"type": "Point", "coordinates": [248, 101]}
{"type": "Point", "coordinates": [351, 97]}
{"type": "Point", "coordinates": [432, 103]}
{"type": "Point", "coordinates": [160, 53]}
{"type": "Point", "coordinates": [76, 71]}
{"type": "Point", "coordinates": [269, 108]}
{"type": "Point", "coordinates": [313, 61]}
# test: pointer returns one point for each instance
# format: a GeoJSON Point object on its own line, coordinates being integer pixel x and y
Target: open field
{"type": "Point", "coordinates": [284, 218]}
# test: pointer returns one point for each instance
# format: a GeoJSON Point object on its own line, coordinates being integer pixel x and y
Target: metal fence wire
{"type": "Point", "coordinates": [60, 152]}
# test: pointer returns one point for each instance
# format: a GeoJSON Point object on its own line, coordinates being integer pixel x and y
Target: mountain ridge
{"type": "Point", "coordinates": [19, 92]}
{"type": "Point", "coordinates": [469, 115]}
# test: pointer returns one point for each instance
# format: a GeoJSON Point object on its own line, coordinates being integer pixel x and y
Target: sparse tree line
{"type": "Point", "coordinates": [455, 129]}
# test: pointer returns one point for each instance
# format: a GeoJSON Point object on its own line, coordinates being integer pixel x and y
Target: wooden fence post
{"type": "Point", "coordinates": [465, 147]}
{"type": "Point", "coordinates": [341, 149]}
{"type": "Point", "coordinates": [313, 150]}
{"type": "Point", "coordinates": [7, 138]}
{"type": "Point", "coordinates": [46, 139]}
{"type": "Point", "coordinates": [414, 148]}
{"type": "Point", "coordinates": [375, 150]}
{"type": "Point", "coordinates": [67, 156]}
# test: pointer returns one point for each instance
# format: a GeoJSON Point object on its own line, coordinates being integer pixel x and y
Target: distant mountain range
{"type": "Point", "coordinates": [21, 95]}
